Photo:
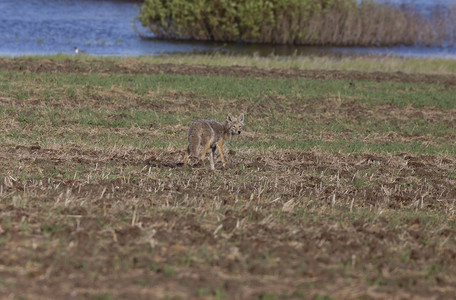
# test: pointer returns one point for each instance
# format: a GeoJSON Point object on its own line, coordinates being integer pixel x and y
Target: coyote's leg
{"type": "Point", "coordinates": [186, 158]}
{"type": "Point", "coordinates": [203, 153]}
{"type": "Point", "coordinates": [220, 149]}
{"type": "Point", "coordinates": [211, 156]}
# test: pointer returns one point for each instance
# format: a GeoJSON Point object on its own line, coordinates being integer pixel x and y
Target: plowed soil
{"type": "Point", "coordinates": [125, 223]}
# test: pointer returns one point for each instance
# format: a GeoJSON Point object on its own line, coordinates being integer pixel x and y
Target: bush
{"type": "Point", "coordinates": [300, 22]}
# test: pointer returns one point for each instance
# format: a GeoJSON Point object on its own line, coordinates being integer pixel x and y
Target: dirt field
{"type": "Point", "coordinates": [87, 219]}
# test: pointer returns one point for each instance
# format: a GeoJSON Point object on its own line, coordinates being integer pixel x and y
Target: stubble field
{"type": "Point", "coordinates": [343, 184]}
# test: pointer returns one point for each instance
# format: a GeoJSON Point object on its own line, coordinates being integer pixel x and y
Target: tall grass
{"type": "Point", "coordinates": [299, 22]}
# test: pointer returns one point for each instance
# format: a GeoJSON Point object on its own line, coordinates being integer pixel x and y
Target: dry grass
{"type": "Point", "coordinates": [275, 222]}
{"type": "Point", "coordinates": [436, 66]}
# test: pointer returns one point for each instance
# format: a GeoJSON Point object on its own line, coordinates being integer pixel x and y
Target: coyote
{"type": "Point", "coordinates": [205, 134]}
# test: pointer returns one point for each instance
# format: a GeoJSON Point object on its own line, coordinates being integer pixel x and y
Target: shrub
{"type": "Point", "coordinates": [300, 22]}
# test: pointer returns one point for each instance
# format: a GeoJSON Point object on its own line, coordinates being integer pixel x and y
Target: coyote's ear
{"type": "Point", "coordinates": [230, 118]}
{"type": "Point", "coordinates": [241, 118]}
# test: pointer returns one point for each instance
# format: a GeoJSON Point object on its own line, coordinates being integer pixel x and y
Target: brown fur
{"type": "Point", "coordinates": [205, 134]}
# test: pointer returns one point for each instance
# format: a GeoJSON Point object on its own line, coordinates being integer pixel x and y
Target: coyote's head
{"type": "Point", "coordinates": [235, 124]}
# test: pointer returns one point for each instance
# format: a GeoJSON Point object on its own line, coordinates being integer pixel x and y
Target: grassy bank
{"type": "Point", "coordinates": [391, 64]}
{"type": "Point", "coordinates": [344, 63]}
{"type": "Point", "coordinates": [341, 186]}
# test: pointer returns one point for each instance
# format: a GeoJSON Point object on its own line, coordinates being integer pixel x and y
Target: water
{"type": "Point", "coordinates": [107, 27]}
{"type": "Point", "coordinates": [423, 5]}
{"type": "Point", "coordinates": [40, 27]}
